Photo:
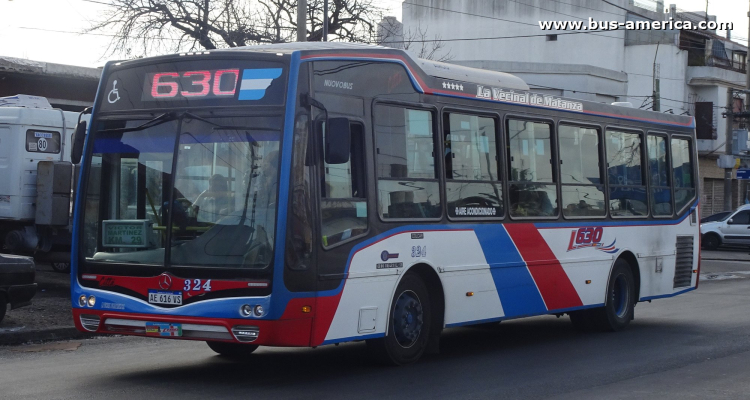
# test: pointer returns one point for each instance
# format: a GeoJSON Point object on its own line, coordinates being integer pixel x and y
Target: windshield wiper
{"type": "Point", "coordinates": [166, 117]}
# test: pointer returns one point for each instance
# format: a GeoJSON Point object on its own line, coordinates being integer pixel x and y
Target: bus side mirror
{"type": "Point", "coordinates": [338, 141]}
{"type": "Point", "coordinates": [76, 150]}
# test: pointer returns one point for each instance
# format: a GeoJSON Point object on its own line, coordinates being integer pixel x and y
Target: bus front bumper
{"type": "Point", "coordinates": [283, 332]}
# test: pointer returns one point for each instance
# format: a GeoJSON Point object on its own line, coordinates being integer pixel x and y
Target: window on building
{"type": "Point", "coordinates": [658, 174]}
{"type": "Point", "coordinates": [532, 191]}
{"type": "Point", "coordinates": [580, 172]}
{"type": "Point", "coordinates": [704, 120]}
{"type": "Point", "coordinates": [408, 184]}
{"type": "Point", "coordinates": [344, 205]}
{"type": "Point", "coordinates": [682, 172]}
{"type": "Point", "coordinates": [471, 168]}
{"type": "Point", "coordinates": [627, 191]}
{"type": "Point", "coordinates": [739, 60]}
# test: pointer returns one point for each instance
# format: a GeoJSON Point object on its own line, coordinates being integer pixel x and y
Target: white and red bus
{"type": "Point", "coordinates": [309, 194]}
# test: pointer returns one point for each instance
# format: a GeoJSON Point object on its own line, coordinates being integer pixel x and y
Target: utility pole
{"type": "Point", "coordinates": [301, 20]}
{"type": "Point", "coordinates": [728, 150]}
{"type": "Point", "coordinates": [325, 20]}
{"type": "Point", "coordinates": [655, 81]}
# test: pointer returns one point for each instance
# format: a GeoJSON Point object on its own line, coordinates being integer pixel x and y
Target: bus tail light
{"type": "Point", "coordinates": [245, 333]}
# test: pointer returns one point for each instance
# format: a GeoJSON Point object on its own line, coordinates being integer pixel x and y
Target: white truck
{"type": "Point", "coordinates": [36, 179]}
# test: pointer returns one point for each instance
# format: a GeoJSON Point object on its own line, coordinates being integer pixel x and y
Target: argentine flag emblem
{"type": "Point", "coordinates": [256, 81]}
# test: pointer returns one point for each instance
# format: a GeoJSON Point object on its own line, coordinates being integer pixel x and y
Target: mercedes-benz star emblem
{"type": "Point", "coordinates": [165, 281]}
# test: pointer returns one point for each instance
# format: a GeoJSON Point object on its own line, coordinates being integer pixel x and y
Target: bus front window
{"type": "Point", "coordinates": [206, 187]}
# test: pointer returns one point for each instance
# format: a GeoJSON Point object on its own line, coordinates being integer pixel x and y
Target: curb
{"type": "Point", "coordinates": [16, 338]}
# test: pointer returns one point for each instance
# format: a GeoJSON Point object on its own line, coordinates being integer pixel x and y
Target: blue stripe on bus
{"type": "Point", "coordinates": [622, 222]}
{"type": "Point", "coordinates": [518, 293]}
{"type": "Point", "coordinates": [280, 293]}
{"type": "Point", "coordinates": [78, 206]}
{"type": "Point", "coordinates": [663, 296]}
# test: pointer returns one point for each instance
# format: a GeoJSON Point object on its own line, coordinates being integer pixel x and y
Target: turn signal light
{"type": "Point", "coordinates": [588, 281]}
{"type": "Point", "coordinates": [469, 294]}
{"type": "Point", "coordinates": [695, 271]}
{"type": "Point", "coordinates": [306, 309]}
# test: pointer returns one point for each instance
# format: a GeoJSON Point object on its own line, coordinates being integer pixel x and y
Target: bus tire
{"type": "Point", "coordinates": [409, 322]}
{"type": "Point", "coordinates": [234, 350]}
{"type": "Point", "coordinates": [619, 305]}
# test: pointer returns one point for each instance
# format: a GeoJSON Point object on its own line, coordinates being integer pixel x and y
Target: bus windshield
{"type": "Point", "coordinates": [183, 190]}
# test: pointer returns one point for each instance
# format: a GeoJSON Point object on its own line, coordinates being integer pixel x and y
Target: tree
{"type": "Point", "coordinates": [147, 26]}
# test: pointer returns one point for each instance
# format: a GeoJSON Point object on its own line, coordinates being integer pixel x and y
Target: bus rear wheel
{"type": "Point", "coordinates": [619, 305]}
{"type": "Point", "coordinates": [234, 350]}
{"type": "Point", "coordinates": [409, 322]}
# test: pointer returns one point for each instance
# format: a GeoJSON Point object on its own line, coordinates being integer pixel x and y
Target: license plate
{"type": "Point", "coordinates": [163, 329]}
{"type": "Point", "coordinates": [159, 297]}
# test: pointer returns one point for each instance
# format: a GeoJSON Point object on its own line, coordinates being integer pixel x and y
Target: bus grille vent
{"type": "Point", "coordinates": [683, 272]}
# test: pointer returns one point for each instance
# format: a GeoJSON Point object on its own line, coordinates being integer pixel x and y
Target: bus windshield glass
{"type": "Point", "coordinates": [183, 190]}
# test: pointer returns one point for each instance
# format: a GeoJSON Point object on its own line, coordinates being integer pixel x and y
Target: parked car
{"type": "Point", "coordinates": [734, 229]}
{"type": "Point", "coordinates": [17, 285]}
{"type": "Point", "coordinates": [720, 216]}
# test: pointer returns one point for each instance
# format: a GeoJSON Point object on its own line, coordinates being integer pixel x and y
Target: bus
{"type": "Point", "coordinates": [308, 194]}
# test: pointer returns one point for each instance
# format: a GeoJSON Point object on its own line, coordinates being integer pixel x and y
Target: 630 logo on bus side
{"type": "Point", "coordinates": [590, 237]}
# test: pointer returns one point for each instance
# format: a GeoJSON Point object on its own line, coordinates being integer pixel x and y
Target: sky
{"type": "Point", "coordinates": [49, 30]}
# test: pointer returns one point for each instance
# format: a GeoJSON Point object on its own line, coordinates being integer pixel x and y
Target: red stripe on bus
{"type": "Point", "coordinates": [550, 278]}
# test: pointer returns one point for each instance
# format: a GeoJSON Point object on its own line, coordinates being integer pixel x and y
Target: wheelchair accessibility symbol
{"type": "Point", "coordinates": [114, 94]}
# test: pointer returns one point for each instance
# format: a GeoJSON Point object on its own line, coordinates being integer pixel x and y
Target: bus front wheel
{"type": "Point", "coordinates": [234, 350]}
{"type": "Point", "coordinates": [409, 324]}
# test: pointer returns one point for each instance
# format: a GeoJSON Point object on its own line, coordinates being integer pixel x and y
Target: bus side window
{"type": "Point", "coordinates": [682, 171]}
{"type": "Point", "coordinates": [473, 186]}
{"type": "Point", "coordinates": [658, 175]}
{"type": "Point", "coordinates": [627, 189]}
{"type": "Point", "coordinates": [343, 204]}
{"type": "Point", "coordinates": [580, 172]}
{"type": "Point", "coordinates": [408, 185]}
{"type": "Point", "coordinates": [532, 189]}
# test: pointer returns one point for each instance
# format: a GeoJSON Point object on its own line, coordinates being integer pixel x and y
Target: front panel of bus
{"type": "Point", "coordinates": [178, 215]}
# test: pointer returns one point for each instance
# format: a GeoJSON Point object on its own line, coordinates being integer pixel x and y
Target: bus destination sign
{"type": "Point", "coordinates": [198, 83]}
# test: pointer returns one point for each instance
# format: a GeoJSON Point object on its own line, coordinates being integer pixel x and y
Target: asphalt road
{"type": "Point", "coordinates": [692, 346]}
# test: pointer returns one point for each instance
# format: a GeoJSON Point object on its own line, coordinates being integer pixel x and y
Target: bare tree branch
{"type": "Point", "coordinates": [144, 27]}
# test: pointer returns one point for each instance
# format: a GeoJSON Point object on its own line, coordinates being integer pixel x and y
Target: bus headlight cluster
{"type": "Point", "coordinates": [84, 300]}
{"type": "Point", "coordinates": [248, 311]}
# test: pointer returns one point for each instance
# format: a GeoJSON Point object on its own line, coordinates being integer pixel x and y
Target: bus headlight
{"type": "Point", "coordinates": [91, 301]}
{"type": "Point", "coordinates": [259, 310]}
{"type": "Point", "coordinates": [82, 300]}
{"type": "Point", "coordinates": [246, 310]}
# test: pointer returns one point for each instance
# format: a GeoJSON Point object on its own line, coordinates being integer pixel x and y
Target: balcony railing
{"type": "Point", "coordinates": [711, 61]}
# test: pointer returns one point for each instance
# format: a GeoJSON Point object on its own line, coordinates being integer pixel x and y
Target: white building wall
{"type": "Point", "coordinates": [639, 62]}
{"type": "Point", "coordinates": [493, 18]}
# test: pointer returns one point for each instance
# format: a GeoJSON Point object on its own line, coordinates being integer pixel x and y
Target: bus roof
{"type": "Point", "coordinates": [443, 79]}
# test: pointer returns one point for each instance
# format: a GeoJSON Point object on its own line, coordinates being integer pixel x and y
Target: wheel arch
{"type": "Point", "coordinates": [431, 279]}
{"type": "Point", "coordinates": [635, 269]}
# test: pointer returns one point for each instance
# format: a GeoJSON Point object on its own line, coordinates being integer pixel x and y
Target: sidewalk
{"type": "Point", "coordinates": [49, 316]}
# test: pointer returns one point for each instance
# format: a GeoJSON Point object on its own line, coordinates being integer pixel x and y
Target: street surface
{"type": "Point", "coordinates": [692, 346]}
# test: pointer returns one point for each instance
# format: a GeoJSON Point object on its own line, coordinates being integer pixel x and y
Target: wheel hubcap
{"type": "Point", "coordinates": [620, 296]}
{"type": "Point", "coordinates": [408, 318]}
